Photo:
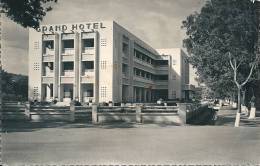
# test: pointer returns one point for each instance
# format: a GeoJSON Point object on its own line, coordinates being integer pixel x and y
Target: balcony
{"type": "Point", "coordinates": [142, 79]}
{"type": "Point", "coordinates": [87, 72]}
{"type": "Point", "coordinates": [48, 69]}
{"type": "Point", "coordinates": [161, 84]}
{"type": "Point", "coordinates": [88, 50]}
{"type": "Point", "coordinates": [139, 63]}
{"type": "Point", "coordinates": [88, 78]}
{"type": "Point", "coordinates": [47, 79]}
{"type": "Point", "coordinates": [48, 58]}
{"type": "Point", "coordinates": [68, 73]}
{"type": "Point", "coordinates": [49, 73]}
{"type": "Point", "coordinates": [162, 70]}
{"type": "Point", "coordinates": [48, 52]}
{"type": "Point", "coordinates": [48, 47]}
{"type": "Point", "coordinates": [68, 51]}
{"type": "Point", "coordinates": [66, 80]}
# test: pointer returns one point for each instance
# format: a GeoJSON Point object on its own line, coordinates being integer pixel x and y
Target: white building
{"type": "Point", "coordinates": [102, 62]}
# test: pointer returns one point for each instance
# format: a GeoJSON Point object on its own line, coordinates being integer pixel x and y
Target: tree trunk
{"type": "Point", "coordinates": [244, 97]}
{"type": "Point", "coordinates": [239, 100]}
{"type": "Point", "coordinates": [238, 106]}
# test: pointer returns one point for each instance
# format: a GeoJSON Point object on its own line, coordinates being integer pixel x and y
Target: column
{"type": "Point", "coordinates": [59, 68]}
{"type": "Point", "coordinates": [96, 69]}
{"type": "Point", "coordinates": [48, 91]}
{"type": "Point", "coordinates": [56, 67]}
{"type": "Point", "coordinates": [145, 93]}
{"type": "Point", "coordinates": [80, 66]}
{"type": "Point", "coordinates": [134, 98]}
{"type": "Point", "coordinates": [76, 66]}
{"type": "Point", "coordinates": [140, 94]}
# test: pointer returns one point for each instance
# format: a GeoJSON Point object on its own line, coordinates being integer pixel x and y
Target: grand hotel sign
{"type": "Point", "coordinates": [71, 27]}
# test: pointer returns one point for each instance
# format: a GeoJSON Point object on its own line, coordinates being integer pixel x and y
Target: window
{"type": "Point", "coordinates": [161, 77]}
{"type": "Point", "coordinates": [147, 75]}
{"type": "Point", "coordinates": [143, 73]}
{"type": "Point", "coordinates": [68, 43]}
{"type": "Point", "coordinates": [88, 93]}
{"type": "Point", "coordinates": [47, 68]}
{"type": "Point", "coordinates": [50, 65]}
{"type": "Point", "coordinates": [88, 42]}
{"type": "Point", "coordinates": [124, 69]}
{"type": "Point", "coordinates": [68, 66]}
{"type": "Point", "coordinates": [88, 65]}
{"type": "Point", "coordinates": [49, 44]}
{"type": "Point", "coordinates": [125, 48]}
{"type": "Point", "coordinates": [51, 90]}
{"type": "Point", "coordinates": [162, 62]}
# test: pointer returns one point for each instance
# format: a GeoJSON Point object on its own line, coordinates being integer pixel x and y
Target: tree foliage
{"type": "Point", "coordinates": [14, 86]}
{"type": "Point", "coordinates": [221, 29]}
{"type": "Point", "coordinates": [27, 13]}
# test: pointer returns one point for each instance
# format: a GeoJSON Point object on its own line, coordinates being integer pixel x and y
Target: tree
{"type": "Point", "coordinates": [15, 87]}
{"type": "Point", "coordinates": [221, 43]}
{"type": "Point", "coordinates": [27, 13]}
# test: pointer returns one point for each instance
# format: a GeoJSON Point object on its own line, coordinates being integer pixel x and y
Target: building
{"type": "Point", "coordinates": [102, 62]}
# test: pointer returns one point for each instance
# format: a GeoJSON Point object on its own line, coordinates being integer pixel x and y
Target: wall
{"type": "Point", "coordinates": [175, 69]}
{"type": "Point", "coordinates": [35, 65]}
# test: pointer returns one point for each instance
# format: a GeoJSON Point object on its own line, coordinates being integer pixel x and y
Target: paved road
{"type": "Point", "coordinates": [62, 143]}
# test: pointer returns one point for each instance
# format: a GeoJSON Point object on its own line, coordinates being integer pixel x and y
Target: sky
{"type": "Point", "coordinates": [157, 22]}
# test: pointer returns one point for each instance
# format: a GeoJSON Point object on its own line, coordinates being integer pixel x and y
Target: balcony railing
{"type": "Point", "coordinates": [88, 50]}
{"type": "Point", "coordinates": [47, 52]}
{"type": "Point", "coordinates": [87, 71]}
{"type": "Point", "coordinates": [69, 51]}
{"type": "Point", "coordinates": [69, 73]}
{"type": "Point", "coordinates": [48, 74]}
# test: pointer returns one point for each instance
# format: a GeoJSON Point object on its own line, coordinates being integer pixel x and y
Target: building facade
{"type": "Point", "coordinates": [102, 62]}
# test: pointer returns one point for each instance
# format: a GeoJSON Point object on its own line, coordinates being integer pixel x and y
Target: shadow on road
{"type": "Point", "coordinates": [27, 126]}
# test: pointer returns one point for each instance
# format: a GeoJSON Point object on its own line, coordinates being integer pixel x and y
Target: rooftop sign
{"type": "Point", "coordinates": [71, 27]}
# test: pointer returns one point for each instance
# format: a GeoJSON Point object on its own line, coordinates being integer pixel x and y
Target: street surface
{"type": "Point", "coordinates": [81, 143]}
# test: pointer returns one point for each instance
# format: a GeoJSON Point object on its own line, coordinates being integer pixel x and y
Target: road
{"type": "Point", "coordinates": [80, 143]}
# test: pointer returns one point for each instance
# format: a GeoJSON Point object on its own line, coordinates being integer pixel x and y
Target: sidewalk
{"type": "Point", "coordinates": [227, 115]}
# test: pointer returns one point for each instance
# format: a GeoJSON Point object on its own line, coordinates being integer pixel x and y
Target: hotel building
{"type": "Point", "coordinates": [102, 62]}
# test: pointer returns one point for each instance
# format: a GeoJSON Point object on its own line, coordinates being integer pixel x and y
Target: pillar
{"type": "Point", "coordinates": [56, 66]}
{"type": "Point", "coordinates": [72, 112]}
{"type": "Point", "coordinates": [145, 93]}
{"type": "Point", "coordinates": [94, 114]}
{"type": "Point", "coordinates": [139, 94]}
{"type": "Point", "coordinates": [139, 114]}
{"type": "Point", "coordinates": [76, 66]}
{"type": "Point", "coordinates": [59, 86]}
{"type": "Point", "coordinates": [79, 70]}
{"type": "Point", "coordinates": [96, 69]}
{"type": "Point", "coordinates": [48, 91]}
